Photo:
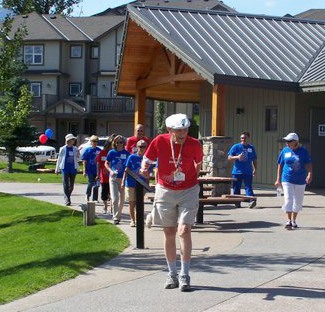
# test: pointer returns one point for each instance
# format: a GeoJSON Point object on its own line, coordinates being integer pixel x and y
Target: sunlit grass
{"type": "Point", "coordinates": [43, 244]}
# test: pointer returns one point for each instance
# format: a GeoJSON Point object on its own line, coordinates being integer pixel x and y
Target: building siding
{"type": "Point", "coordinates": [254, 101]}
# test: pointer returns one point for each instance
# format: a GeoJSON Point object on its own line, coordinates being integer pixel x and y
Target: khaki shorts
{"type": "Point", "coordinates": [175, 207]}
{"type": "Point", "coordinates": [130, 192]}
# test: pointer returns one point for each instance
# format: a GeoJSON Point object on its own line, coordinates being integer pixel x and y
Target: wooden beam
{"type": "Point", "coordinates": [218, 110]}
{"type": "Point", "coordinates": [140, 107]}
{"type": "Point", "coordinates": [152, 82]}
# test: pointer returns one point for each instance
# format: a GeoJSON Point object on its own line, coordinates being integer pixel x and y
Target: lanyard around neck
{"type": "Point", "coordinates": [176, 162]}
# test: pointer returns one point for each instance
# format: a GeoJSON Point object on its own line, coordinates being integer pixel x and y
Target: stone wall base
{"type": "Point", "coordinates": [215, 161]}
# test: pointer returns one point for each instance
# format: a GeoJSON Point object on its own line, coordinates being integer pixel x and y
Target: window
{"type": "Point", "coordinates": [75, 51]}
{"type": "Point", "coordinates": [36, 89]}
{"type": "Point", "coordinates": [94, 53]}
{"type": "Point", "coordinates": [74, 89]}
{"type": "Point", "coordinates": [33, 54]}
{"type": "Point", "coordinates": [271, 119]}
{"type": "Point", "coordinates": [93, 89]}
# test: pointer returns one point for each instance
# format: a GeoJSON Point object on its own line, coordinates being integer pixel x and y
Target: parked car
{"type": "Point", "coordinates": [42, 153]}
{"type": "Point", "coordinates": [31, 154]}
{"type": "Point", "coordinates": [101, 142]}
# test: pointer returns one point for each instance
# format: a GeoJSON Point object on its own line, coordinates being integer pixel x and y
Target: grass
{"type": "Point", "coordinates": [21, 174]}
{"type": "Point", "coordinates": [44, 244]}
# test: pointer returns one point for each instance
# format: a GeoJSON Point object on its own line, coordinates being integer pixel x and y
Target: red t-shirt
{"type": "Point", "coordinates": [103, 173]}
{"type": "Point", "coordinates": [131, 143]}
{"type": "Point", "coordinates": [160, 149]}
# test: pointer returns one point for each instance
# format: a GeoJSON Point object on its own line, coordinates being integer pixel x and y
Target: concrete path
{"type": "Point", "coordinates": [243, 260]}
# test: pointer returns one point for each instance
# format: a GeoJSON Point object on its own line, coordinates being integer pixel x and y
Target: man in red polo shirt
{"type": "Point", "coordinates": [131, 143]}
{"type": "Point", "coordinates": [179, 158]}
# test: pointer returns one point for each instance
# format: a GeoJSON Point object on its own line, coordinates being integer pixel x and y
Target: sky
{"type": "Point", "coordinates": [267, 7]}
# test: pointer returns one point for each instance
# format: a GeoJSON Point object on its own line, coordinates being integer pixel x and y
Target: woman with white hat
{"type": "Point", "coordinates": [293, 174]}
{"type": "Point", "coordinates": [67, 163]}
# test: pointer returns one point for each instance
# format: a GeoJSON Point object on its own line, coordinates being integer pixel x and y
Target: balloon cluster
{"type": "Point", "coordinates": [45, 136]}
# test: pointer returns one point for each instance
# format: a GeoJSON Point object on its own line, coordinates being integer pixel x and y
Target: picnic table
{"type": "Point", "coordinates": [208, 182]}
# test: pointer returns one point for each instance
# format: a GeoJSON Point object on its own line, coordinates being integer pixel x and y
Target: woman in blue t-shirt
{"type": "Point", "coordinates": [294, 172]}
{"type": "Point", "coordinates": [134, 164]}
{"type": "Point", "coordinates": [115, 164]}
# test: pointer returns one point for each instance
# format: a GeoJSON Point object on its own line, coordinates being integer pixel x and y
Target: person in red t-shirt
{"type": "Point", "coordinates": [102, 172]}
{"type": "Point", "coordinates": [131, 143]}
{"type": "Point", "coordinates": [179, 158]}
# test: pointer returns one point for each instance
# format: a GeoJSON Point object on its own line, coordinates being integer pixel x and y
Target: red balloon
{"type": "Point", "coordinates": [43, 138]}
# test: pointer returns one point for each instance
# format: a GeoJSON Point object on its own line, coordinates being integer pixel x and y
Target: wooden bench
{"type": "Point", "coordinates": [224, 199]}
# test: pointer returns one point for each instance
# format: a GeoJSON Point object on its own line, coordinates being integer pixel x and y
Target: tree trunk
{"type": "Point", "coordinates": [11, 158]}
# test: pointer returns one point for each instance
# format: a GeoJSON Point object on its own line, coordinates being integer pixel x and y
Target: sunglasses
{"type": "Point", "coordinates": [142, 146]}
{"type": "Point", "coordinates": [120, 142]}
{"type": "Point", "coordinates": [95, 141]}
{"type": "Point", "coordinates": [289, 141]}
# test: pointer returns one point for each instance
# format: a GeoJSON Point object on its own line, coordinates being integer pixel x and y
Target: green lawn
{"type": "Point", "coordinates": [43, 244]}
{"type": "Point", "coordinates": [21, 174]}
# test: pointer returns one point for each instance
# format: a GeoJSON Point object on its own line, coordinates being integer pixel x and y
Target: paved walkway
{"type": "Point", "coordinates": [243, 260]}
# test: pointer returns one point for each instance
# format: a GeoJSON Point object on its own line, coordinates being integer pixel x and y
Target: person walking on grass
{"type": "Point", "coordinates": [177, 192]}
{"type": "Point", "coordinates": [67, 163]}
{"type": "Point", "coordinates": [294, 172]}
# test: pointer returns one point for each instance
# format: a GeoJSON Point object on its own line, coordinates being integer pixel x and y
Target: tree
{"type": "Point", "coordinates": [15, 98]}
{"type": "Point", "coordinates": [160, 118]}
{"type": "Point", "coordinates": [40, 6]}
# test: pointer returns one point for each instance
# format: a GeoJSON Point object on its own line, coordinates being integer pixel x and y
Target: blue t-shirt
{"type": "Point", "coordinates": [134, 164]}
{"type": "Point", "coordinates": [243, 166]}
{"type": "Point", "coordinates": [69, 167]}
{"type": "Point", "coordinates": [117, 160]}
{"type": "Point", "coordinates": [90, 156]}
{"type": "Point", "coordinates": [293, 165]}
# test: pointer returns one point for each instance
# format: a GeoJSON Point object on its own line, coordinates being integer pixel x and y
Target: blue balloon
{"type": "Point", "coordinates": [49, 133]}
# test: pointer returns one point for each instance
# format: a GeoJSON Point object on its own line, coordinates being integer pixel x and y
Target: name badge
{"type": "Point", "coordinates": [179, 176]}
{"type": "Point", "coordinates": [103, 158]}
{"type": "Point", "coordinates": [249, 150]}
{"type": "Point", "coordinates": [286, 155]}
{"type": "Point", "coordinates": [123, 156]}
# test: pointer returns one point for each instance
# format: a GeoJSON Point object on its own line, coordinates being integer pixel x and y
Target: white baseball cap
{"type": "Point", "coordinates": [177, 121]}
{"type": "Point", "coordinates": [291, 136]}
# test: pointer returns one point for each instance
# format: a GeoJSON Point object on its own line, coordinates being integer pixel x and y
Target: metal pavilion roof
{"type": "Point", "coordinates": [223, 46]}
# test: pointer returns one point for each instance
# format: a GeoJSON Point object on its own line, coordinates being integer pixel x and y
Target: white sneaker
{"type": "Point", "coordinates": [294, 224]}
{"type": "Point", "coordinates": [149, 220]}
{"type": "Point", "coordinates": [184, 283]}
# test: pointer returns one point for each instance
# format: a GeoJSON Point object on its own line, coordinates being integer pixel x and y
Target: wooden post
{"type": "Point", "coordinates": [89, 213]}
{"type": "Point", "coordinates": [218, 111]}
{"type": "Point", "coordinates": [140, 107]}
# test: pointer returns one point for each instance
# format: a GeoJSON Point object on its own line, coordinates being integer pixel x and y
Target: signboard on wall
{"type": "Point", "coordinates": [321, 130]}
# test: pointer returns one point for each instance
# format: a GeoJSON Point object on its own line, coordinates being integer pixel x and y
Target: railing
{"type": "Point", "coordinates": [112, 105]}
{"type": "Point", "coordinates": [42, 103]}
{"type": "Point", "coordinates": [96, 105]}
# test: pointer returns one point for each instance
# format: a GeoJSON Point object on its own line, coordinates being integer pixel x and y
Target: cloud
{"type": "Point", "coordinates": [271, 3]}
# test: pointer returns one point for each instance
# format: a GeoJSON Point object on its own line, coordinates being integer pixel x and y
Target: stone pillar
{"type": "Point", "coordinates": [215, 160]}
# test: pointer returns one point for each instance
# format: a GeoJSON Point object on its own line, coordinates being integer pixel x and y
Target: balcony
{"type": "Point", "coordinates": [112, 105]}
{"type": "Point", "coordinates": [90, 104]}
